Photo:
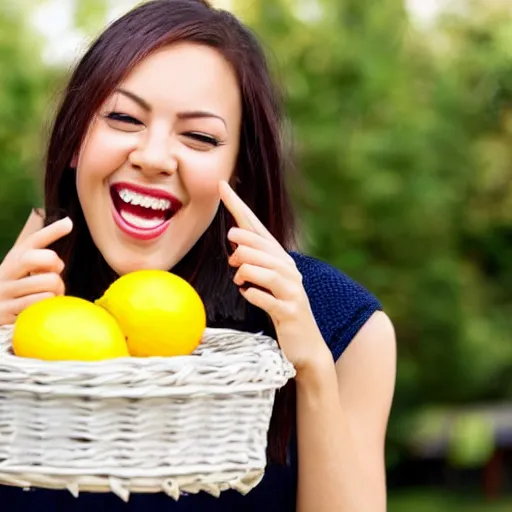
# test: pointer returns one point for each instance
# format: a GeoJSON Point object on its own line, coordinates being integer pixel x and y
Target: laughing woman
{"type": "Point", "coordinates": [166, 153]}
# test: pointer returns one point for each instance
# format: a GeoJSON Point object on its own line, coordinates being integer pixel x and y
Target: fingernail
{"type": "Point", "coordinates": [68, 221]}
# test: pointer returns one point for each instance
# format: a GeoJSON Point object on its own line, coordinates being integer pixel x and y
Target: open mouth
{"type": "Point", "coordinates": [141, 208]}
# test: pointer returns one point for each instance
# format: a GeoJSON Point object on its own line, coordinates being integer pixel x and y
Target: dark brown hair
{"type": "Point", "coordinates": [258, 176]}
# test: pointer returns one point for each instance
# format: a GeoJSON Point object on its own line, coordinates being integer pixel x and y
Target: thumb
{"type": "Point", "coordinates": [34, 223]}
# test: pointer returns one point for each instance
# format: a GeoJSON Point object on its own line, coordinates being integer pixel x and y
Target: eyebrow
{"type": "Point", "coordinates": [137, 99]}
{"type": "Point", "coordinates": [192, 114]}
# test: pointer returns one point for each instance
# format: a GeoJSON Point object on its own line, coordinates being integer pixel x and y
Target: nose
{"type": "Point", "coordinates": [154, 156]}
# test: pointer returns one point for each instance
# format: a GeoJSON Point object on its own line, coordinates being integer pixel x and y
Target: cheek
{"type": "Point", "coordinates": [201, 179]}
{"type": "Point", "coordinates": [101, 154]}
{"type": "Point", "coordinates": [202, 186]}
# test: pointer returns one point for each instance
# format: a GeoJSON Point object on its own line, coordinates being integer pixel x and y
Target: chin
{"type": "Point", "coordinates": [125, 266]}
{"type": "Point", "coordinates": [124, 258]}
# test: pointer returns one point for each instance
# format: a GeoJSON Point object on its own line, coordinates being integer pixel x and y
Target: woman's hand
{"type": "Point", "coordinates": [269, 279]}
{"type": "Point", "coordinates": [30, 272]}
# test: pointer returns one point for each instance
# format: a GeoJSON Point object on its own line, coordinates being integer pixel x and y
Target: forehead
{"type": "Point", "coordinates": [186, 76]}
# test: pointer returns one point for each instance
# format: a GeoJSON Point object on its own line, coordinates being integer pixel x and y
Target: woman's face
{"type": "Point", "coordinates": [149, 168]}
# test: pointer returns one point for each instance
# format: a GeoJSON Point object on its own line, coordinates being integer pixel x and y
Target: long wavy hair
{"type": "Point", "coordinates": [259, 175]}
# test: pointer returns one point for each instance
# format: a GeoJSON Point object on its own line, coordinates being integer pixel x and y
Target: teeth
{"type": "Point", "coordinates": [140, 222]}
{"type": "Point", "coordinates": [130, 197]}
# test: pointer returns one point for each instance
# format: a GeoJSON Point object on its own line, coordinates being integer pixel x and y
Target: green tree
{"type": "Point", "coordinates": [404, 140]}
{"type": "Point", "coordinates": [406, 152]}
{"type": "Point", "coordinates": [25, 98]}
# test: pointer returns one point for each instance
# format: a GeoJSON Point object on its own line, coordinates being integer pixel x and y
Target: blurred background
{"type": "Point", "coordinates": [402, 115]}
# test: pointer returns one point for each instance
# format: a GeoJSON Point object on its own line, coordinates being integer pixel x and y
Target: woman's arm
{"type": "Point", "coordinates": [342, 414]}
{"type": "Point", "coordinates": [343, 408]}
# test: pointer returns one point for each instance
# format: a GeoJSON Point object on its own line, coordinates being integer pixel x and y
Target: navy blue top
{"type": "Point", "coordinates": [341, 307]}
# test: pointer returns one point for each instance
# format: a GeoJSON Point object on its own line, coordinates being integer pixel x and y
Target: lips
{"type": "Point", "coordinates": [142, 212]}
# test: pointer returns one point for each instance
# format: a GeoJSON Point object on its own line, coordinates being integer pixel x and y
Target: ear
{"type": "Point", "coordinates": [74, 161]}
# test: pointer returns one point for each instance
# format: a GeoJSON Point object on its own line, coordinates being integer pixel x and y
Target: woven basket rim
{"type": "Point", "coordinates": [131, 377]}
{"type": "Point", "coordinates": [172, 485]}
{"type": "Point", "coordinates": [180, 360]}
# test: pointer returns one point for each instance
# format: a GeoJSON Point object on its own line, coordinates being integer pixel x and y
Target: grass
{"type": "Point", "coordinates": [439, 501]}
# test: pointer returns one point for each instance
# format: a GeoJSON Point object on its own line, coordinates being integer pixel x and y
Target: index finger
{"type": "Point", "coordinates": [244, 216]}
{"type": "Point", "coordinates": [49, 234]}
{"type": "Point", "coordinates": [34, 223]}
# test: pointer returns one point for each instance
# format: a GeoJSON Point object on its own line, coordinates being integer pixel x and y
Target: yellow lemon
{"type": "Point", "coordinates": [159, 312]}
{"type": "Point", "coordinates": [67, 329]}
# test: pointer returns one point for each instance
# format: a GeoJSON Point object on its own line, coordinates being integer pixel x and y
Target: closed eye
{"type": "Point", "coordinates": [123, 118]}
{"type": "Point", "coordinates": [202, 137]}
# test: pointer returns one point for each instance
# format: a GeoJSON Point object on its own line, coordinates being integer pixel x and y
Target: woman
{"type": "Point", "coordinates": [167, 153]}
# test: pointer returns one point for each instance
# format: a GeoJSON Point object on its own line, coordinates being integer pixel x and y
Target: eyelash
{"type": "Point", "coordinates": [123, 118]}
{"type": "Point", "coordinates": [201, 137]}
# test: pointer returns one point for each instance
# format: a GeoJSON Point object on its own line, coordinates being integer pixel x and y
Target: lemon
{"type": "Point", "coordinates": [159, 312]}
{"type": "Point", "coordinates": [67, 329]}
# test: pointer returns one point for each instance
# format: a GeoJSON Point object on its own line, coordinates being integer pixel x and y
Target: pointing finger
{"type": "Point", "coordinates": [244, 216]}
{"type": "Point", "coordinates": [34, 223]}
{"type": "Point", "coordinates": [49, 234]}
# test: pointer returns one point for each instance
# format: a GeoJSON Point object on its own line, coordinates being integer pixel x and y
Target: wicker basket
{"type": "Point", "coordinates": [182, 424]}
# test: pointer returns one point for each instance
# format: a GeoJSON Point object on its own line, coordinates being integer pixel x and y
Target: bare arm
{"type": "Point", "coordinates": [342, 408]}
{"type": "Point", "coordinates": [342, 414]}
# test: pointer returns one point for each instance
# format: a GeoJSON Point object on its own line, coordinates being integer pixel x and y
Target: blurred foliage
{"type": "Point", "coordinates": [472, 441]}
{"type": "Point", "coordinates": [432, 500]}
{"type": "Point", "coordinates": [404, 137]}
{"type": "Point", "coordinates": [26, 92]}
{"type": "Point", "coordinates": [466, 438]}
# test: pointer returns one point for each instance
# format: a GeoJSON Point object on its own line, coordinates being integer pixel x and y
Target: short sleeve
{"type": "Point", "coordinates": [340, 305]}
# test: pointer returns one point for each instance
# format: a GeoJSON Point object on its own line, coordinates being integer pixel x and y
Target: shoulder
{"type": "Point", "coordinates": [340, 305]}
